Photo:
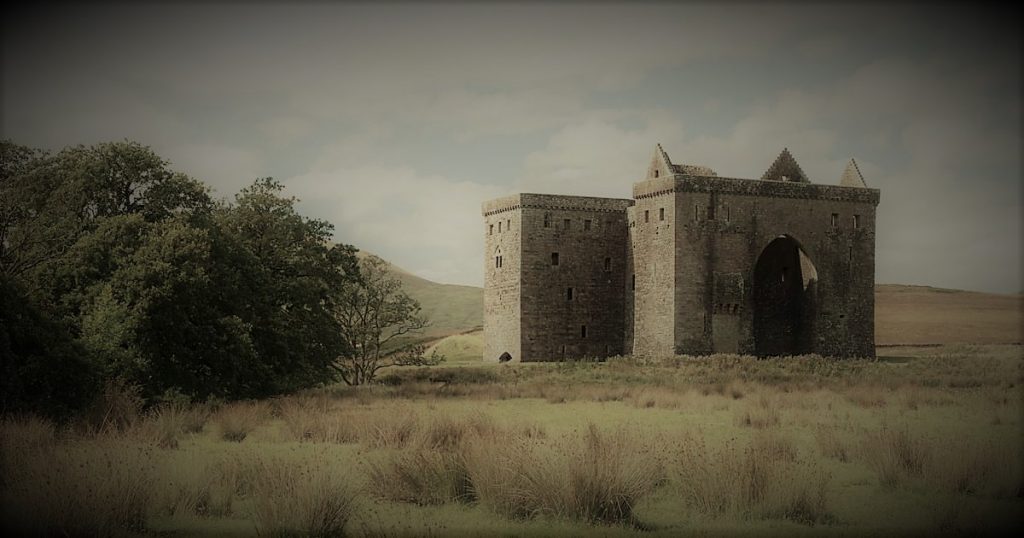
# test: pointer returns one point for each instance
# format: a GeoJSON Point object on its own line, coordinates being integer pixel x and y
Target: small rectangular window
{"type": "Point", "coordinates": [547, 220]}
{"type": "Point", "coordinates": [499, 226]}
{"type": "Point", "coordinates": [711, 212]}
{"type": "Point", "coordinates": [728, 213]}
{"type": "Point", "coordinates": [647, 216]}
{"type": "Point", "coordinates": [835, 219]}
{"type": "Point", "coordinates": [661, 213]}
{"type": "Point", "coordinates": [607, 264]}
{"type": "Point", "coordinates": [586, 224]}
{"type": "Point", "coordinates": [568, 294]}
{"type": "Point", "coordinates": [508, 225]}
{"type": "Point", "coordinates": [856, 221]}
{"type": "Point", "coordinates": [554, 258]}
{"type": "Point", "coordinates": [583, 331]}
{"type": "Point", "coordinates": [566, 223]}
{"type": "Point", "coordinates": [490, 230]}
{"type": "Point", "coordinates": [632, 284]}
{"type": "Point", "coordinates": [497, 262]}
{"type": "Point", "coordinates": [696, 212]}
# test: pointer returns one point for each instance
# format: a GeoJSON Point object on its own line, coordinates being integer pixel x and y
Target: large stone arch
{"type": "Point", "coordinates": [785, 284]}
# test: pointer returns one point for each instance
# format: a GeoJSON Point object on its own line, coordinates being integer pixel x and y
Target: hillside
{"type": "Point", "coordinates": [451, 309]}
{"type": "Point", "coordinates": [903, 314]}
{"type": "Point", "coordinates": [925, 315]}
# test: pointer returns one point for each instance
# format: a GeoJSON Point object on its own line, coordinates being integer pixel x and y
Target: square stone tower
{"type": "Point", "coordinates": [553, 277]}
{"type": "Point", "coordinates": [693, 264]}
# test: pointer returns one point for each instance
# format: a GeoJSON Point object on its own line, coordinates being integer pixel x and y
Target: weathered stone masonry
{"type": "Point", "coordinates": [693, 264]}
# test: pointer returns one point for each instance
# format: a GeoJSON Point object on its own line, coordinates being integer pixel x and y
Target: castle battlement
{"type": "Point", "coordinates": [753, 187]}
{"type": "Point", "coordinates": [555, 202]}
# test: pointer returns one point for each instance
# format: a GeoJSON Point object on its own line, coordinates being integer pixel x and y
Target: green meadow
{"type": "Point", "coordinates": [924, 441]}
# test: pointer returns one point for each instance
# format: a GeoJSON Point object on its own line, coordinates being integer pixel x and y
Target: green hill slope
{"type": "Point", "coordinates": [451, 309]}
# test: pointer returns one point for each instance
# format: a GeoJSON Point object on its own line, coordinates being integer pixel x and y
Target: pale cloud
{"type": "Point", "coordinates": [597, 158]}
{"type": "Point", "coordinates": [229, 168]}
{"type": "Point", "coordinates": [429, 225]}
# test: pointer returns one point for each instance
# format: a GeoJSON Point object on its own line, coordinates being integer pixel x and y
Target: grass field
{"type": "Point", "coordinates": [923, 441]}
{"type": "Point", "coordinates": [925, 315]}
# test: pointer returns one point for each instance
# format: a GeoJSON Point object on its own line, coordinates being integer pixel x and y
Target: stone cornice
{"type": "Point", "coordinates": [754, 187]}
{"type": "Point", "coordinates": [555, 202]}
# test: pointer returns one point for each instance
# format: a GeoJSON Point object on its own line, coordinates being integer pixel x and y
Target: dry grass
{"type": "Point", "coordinates": [595, 476]}
{"type": "Point", "coordinates": [314, 420]}
{"type": "Point", "coordinates": [976, 468]}
{"type": "Point", "coordinates": [831, 444]}
{"type": "Point", "coordinates": [237, 420]}
{"type": "Point", "coordinates": [767, 479]}
{"type": "Point", "coordinates": [760, 414]}
{"type": "Point", "coordinates": [302, 499]}
{"type": "Point", "coordinates": [894, 454]}
{"type": "Point", "coordinates": [774, 430]}
{"type": "Point", "coordinates": [420, 476]}
{"type": "Point", "coordinates": [519, 472]}
{"type": "Point", "coordinates": [195, 491]}
{"type": "Point", "coordinates": [117, 408]}
{"type": "Point", "coordinates": [95, 488]}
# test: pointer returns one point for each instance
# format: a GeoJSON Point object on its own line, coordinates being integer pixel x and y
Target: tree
{"type": "Point", "coordinates": [374, 313]}
{"type": "Point", "coordinates": [41, 368]}
{"type": "Point", "coordinates": [150, 281]}
{"type": "Point", "coordinates": [290, 274]}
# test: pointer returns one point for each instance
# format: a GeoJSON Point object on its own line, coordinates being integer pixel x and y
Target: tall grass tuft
{"type": "Point", "coordinates": [976, 468]}
{"type": "Point", "coordinates": [238, 420]}
{"type": "Point", "coordinates": [195, 491]}
{"type": "Point", "coordinates": [94, 488]}
{"type": "Point", "coordinates": [595, 476]}
{"type": "Point", "coordinates": [116, 409]}
{"type": "Point", "coordinates": [302, 499]}
{"type": "Point", "coordinates": [766, 479]}
{"type": "Point", "coordinates": [831, 444]}
{"type": "Point", "coordinates": [761, 414]}
{"type": "Point", "coordinates": [312, 420]}
{"type": "Point", "coordinates": [894, 454]}
{"type": "Point", "coordinates": [421, 475]}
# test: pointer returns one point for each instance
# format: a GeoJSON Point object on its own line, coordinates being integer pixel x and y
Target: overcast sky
{"type": "Point", "coordinates": [394, 122]}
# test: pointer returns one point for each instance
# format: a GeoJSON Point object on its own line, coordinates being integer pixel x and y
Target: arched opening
{"type": "Point", "coordinates": [505, 357]}
{"type": "Point", "coordinates": [785, 299]}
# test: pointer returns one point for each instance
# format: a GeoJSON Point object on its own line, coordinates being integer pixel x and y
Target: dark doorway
{"type": "Point", "coordinates": [785, 300]}
{"type": "Point", "coordinates": [505, 357]}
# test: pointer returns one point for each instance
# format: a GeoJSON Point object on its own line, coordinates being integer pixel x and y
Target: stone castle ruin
{"type": "Point", "coordinates": [693, 264]}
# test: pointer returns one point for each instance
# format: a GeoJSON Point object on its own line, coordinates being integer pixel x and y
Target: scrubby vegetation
{"type": "Point", "coordinates": [926, 442]}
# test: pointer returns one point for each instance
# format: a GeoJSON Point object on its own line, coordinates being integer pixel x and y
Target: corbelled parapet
{"type": "Point", "coordinates": [753, 187]}
{"type": "Point", "coordinates": [554, 202]}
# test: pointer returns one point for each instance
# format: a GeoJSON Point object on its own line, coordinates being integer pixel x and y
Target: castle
{"type": "Point", "coordinates": [693, 264]}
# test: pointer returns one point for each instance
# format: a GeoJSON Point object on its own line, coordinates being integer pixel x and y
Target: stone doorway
{"type": "Point", "coordinates": [785, 300]}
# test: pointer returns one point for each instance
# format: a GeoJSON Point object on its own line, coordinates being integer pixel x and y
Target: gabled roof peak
{"type": "Point", "coordinates": [851, 176]}
{"type": "Point", "coordinates": [785, 168]}
{"type": "Point", "coordinates": [661, 165]}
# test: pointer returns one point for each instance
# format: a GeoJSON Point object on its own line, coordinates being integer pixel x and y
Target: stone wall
{"type": "Point", "coordinates": [589, 237]}
{"type": "Point", "coordinates": [502, 285]}
{"type": "Point", "coordinates": [717, 254]}
{"type": "Point", "coordinates": [652, 230]}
